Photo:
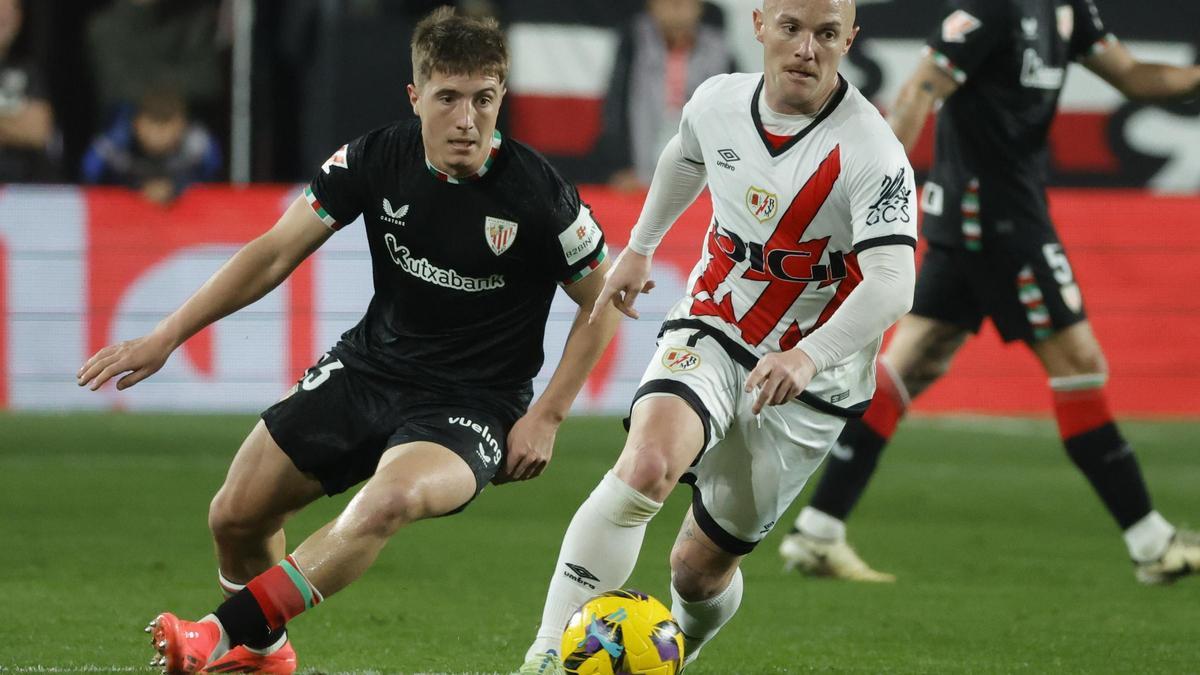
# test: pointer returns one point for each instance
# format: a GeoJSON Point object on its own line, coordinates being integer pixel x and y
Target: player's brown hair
{"type": "Point", "coordinates": [455, 44]}
{"type": "Point", "coordinates": [162, 104]}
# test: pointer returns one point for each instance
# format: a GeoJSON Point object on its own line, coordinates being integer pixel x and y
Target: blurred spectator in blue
{"type": "Point", "coordinates": [665, 53]}
{"type": "Point", "coordinates": [156, 150]}
{"type": "Point", "coordinates": [27, 132]}
{"type": "Point", "coordinates": [139, 45]}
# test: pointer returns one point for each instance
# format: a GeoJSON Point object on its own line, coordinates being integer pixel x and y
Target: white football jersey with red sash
{"type": "Point", "coordinates": [780, 255]}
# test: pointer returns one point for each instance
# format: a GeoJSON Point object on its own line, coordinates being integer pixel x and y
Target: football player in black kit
{"type": "Point", "coordinates": [999, 67]}
{"type": "Point", "coordinates": [427, 399]}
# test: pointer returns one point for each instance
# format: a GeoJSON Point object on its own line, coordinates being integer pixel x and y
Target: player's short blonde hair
{"type": "Point", "coordinates": [454, 44]}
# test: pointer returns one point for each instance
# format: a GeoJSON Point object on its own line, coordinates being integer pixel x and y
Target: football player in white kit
{"type": "Point", "coordinates": [807, 260]}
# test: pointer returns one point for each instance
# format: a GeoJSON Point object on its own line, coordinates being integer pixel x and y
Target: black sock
{"type": "Point", "coordinates": [269, 640]}
{"type": "Point", "coordinates": [244, 621]}
{"type": "Point", "coordinates": [845, 480]}
{"type": "Point", "coordinates": [1112, 469]}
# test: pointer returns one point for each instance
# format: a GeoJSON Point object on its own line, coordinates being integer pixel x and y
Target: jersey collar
{"type": "Point", "coordinates": [487, 164]}
{"type": "Point", "coordinates": [836, 99]}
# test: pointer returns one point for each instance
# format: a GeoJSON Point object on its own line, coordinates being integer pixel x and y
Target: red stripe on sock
{"type": "Point", "coordinates": [1081, 411]}
{"type": "Point", "coordinates": [887, 406]}
{"type": "Point", "coordinates": [278, 598]}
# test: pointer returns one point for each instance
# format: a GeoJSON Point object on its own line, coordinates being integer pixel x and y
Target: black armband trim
{"type": "Point", "coordinates": [889, 240]}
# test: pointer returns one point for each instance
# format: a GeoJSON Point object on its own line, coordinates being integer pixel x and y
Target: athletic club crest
{"type": "Point", "coordinates": [500, 233]}
{"type": "Point", "coordinates": [337, 159]}
{"type": "Point", "coordinates": [762, 204]}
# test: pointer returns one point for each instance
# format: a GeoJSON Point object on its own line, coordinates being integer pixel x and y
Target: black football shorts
{"type": "Point", "coordinates": [1027, 289]}
{"type": "Point", "coordinates": [339, 420]}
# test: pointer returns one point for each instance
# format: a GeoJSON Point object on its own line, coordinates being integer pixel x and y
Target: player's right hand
{"type": "Point", "coordinates": [140, 357]}
{"type": "Point", "coordinates": [627, 278]}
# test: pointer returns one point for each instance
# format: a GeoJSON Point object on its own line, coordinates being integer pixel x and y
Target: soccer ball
{"type": "Point", "coordinates": [623, 632]}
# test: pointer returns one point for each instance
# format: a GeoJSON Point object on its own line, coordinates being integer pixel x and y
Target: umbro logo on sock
{"type": "Point", "coordinates": [581, 575]}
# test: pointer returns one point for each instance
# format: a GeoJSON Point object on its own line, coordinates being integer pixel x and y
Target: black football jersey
{"type": "Point", "coordinates": [464, 270]}
{"type": "Point", "coordinates": [1010, 58]}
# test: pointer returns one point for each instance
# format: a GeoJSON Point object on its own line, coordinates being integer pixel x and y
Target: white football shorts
{"type": "Point", "coordinates": [752, 467]}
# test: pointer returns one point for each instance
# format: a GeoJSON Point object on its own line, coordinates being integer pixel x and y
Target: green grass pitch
{"type": "Point", "coordinates": [1007, 562]}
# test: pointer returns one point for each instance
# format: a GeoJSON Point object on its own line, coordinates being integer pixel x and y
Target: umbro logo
{"type": "Point", "coordinates": [727, 156]}
{"type": "Point", "coordinates": [580, 575]}
{"type": "Point", "coordinates": [393, 215]}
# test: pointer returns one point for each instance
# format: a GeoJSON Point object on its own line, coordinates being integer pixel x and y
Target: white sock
{"type": "Point", "coordinates": [1148, 538]}
{"type": "Point", "coordinates": [228, 588]}
{"type": "Point", "coordinates": [821, 525]}
{"type": "Point", "coordinates": [701, 620]}
{"type": "Point", "coordinates": [598, 553]}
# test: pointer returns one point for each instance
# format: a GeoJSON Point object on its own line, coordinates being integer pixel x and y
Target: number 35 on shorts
{"type": "Point", "coordinates": [1056, 259]}
{"type": "Point", "coordinates": [317, 375]}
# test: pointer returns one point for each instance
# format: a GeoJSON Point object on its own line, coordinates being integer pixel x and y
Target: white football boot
{"type": "Point", "coordinates": [546, 663]}
{"type": "Point", "coordinates": [827, 558]}
{"type": "Point", "coordinates": [1181, 558]}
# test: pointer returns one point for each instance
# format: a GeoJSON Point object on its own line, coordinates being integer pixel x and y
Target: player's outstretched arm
{"type": "Point", "coordinates": [1142, 81]}
{"type": "Point", "coordinates": [928, 86]}
{"type": "Point", "coordinates": [251, 273]}
{"type": "Point", "coordinates": [531, 441]}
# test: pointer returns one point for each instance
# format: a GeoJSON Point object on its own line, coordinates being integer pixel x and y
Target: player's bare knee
{"type": "Point", "coordinates": [1084, 362]}
{"type": "Point", "coordinates": [925, 373]}
{"type": "Point", "coordinates": [694, 580]}
{"type": "Point", "coordinates": [381, 515]}
{"type": "Point", "coordinates": [645, 467]}
{"type": "Point", "coordinates": [230, 524]}
{"type": "Point", "coordinates": [931, 363]}
{"type": "Point", "coordinates": [1071, 358]}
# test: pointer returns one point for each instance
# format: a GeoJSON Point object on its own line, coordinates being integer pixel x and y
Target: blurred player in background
{"type": "Point", "coordinates": [999, 67]}
{"type": "Point", "coordinates": [26, 117]}
{"type": "Point", "coordinates": [428, 397]}
{"type": "Point", "coordinates": [808, 259]}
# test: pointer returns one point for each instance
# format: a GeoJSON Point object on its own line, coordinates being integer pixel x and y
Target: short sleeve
{"type": "Point", "coordinates": [338, 192]}
{"type": "Point", "coordinates": [966, 36]}
{"type": "Point", "coordinates": [1081, 20]}
{"type": "Point", "coordinates": [689, 141]}
{"type": "Point", "coordinates": [883, 198]}
{"type": "Point", "coordinates": [577, 246]}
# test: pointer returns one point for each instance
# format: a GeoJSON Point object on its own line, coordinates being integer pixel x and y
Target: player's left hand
{"type": "Point", "coordinates": [780, 377]}
{"type": "Point", "coordinates": [530, 445]}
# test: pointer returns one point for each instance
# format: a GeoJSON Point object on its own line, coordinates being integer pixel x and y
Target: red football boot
{"type": "Point", "coordinates": [183, 646]}
{"type": "Point", "coordinates": [282, 661]}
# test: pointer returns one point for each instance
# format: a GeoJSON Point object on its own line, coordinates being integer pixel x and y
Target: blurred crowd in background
{"type": "Point", "coordinates": [139, 92]}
